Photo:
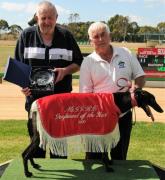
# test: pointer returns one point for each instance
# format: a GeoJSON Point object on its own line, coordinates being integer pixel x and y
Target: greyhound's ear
{"type": "Point", "coordinates": [146, 110]}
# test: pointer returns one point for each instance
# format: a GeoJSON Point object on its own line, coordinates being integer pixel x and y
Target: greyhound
{"type": "Point", "coordinates": [123, 100]}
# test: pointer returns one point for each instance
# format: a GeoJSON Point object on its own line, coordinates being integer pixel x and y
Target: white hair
{"type": "Point", "coordinates": [98, 25]}
{"type": "Point", "coordinates": [46, 5]}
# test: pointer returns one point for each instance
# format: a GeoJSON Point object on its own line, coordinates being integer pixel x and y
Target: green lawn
{"type": "Point", "coordinates": [13, 139]}
{"type": "Point", "coordinates": [6, 51]}
{"type": "Point", "coordinates": [147, 141]}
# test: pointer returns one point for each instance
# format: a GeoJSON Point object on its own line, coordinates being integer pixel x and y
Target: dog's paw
{"type": "Point", "coordinates": [28, 174]}
{"type": "Point", "coordinates": [36, 166]}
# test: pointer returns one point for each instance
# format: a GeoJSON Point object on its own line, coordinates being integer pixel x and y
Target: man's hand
{"type": "Point", "coordinates": [26, 91]}
{"type": "Point", "coordinates": [61, 72]}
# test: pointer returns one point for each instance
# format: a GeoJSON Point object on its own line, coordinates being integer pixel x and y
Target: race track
{"type": "Point", "coordinates": [12, 103]}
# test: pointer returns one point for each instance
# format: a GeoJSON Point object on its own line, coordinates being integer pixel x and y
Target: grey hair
{"type": "Point", "coordinates": [46, 4]}
{"type": "Point", "coordinates": [98, 25]}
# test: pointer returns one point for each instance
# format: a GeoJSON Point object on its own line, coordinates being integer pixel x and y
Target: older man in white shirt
{"type": "Point", "coordinates": [109, 69]}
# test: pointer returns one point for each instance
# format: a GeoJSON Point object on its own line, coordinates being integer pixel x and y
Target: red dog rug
{"type": "Point", "coordinates": [93, 116]}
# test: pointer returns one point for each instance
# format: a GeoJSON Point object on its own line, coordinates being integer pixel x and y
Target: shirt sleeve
{"type": "Point", "coordinates": [136, 68]}
{"type": "Point", "coordinates": [77, 56]}
{"type": "Point", "coordinates": [85, 81]}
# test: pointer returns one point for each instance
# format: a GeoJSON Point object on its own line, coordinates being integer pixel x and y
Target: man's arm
{"type": "Point", "coordinates": [72, 68]}
{"type": "Point", "coordinates": [140, 82]}
{"type": "Point", "coordinates": [19, 49]}
{"type": "Point", "coordinates": [62, 72]}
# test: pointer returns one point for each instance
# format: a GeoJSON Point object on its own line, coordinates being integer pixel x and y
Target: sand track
{"type": "Point", "coordinates": [12, 103]}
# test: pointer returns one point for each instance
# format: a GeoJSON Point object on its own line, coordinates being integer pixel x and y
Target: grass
{"type": "Point", "coordinates": [13, 139]}
{"type": "Point", "coordinates": [6, 51]}
{"type": "Point", "coordinates": [147, 141]}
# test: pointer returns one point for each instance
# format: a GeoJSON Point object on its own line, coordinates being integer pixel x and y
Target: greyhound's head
{"type": "Point", "coordinates": [145, 99]}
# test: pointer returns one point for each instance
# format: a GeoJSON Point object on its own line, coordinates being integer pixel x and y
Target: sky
{"type": "Point", "coordinates": [144, 12]}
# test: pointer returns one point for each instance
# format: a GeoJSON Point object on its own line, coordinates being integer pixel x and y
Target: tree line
{"type": "Point", "coordinates": [6, 30]}
{"type": "Point", "coordinates": [122, 29]}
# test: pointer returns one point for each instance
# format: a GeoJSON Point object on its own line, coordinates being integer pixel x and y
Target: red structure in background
{"type": "Point", "coordinates": [153, 62]}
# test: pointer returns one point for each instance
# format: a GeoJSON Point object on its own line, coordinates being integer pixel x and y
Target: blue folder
{"type": "Point", "coordinates": [17, 72]}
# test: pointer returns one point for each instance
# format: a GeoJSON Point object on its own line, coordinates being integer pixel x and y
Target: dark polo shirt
{"type": "Point", "coordinates": [64, 51]}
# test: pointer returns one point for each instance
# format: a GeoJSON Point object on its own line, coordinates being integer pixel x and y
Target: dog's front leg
{"type": "Point", "coordinates": [25, 163]}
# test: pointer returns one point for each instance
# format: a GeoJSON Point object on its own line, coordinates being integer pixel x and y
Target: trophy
{"type": "Point", "coordinates": [42, 82]}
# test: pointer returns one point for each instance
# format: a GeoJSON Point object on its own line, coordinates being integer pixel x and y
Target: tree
{"type": "Point", "coordinates": [119, 27]}
{"type": "Point", "coordinates": [15, 29]}
{"type": "Point", "coordinates": [3, 25]}
{"type": "Point", "coordinates": [73, 23]}
{"type": "Point", "coordinates": [73, 17]}
{"type": "Point", "coordinates": [133, 29]}
{"type": "Point", "coordinates": [76, 17]}
{"type": "Point", "coordinates": [112, 21]}
{"type": "Point", "coordinates": [161, 27]}
{"type": "Point", "coordinates": [147, 32]}
{"type": "Point", "coordinates": [124, 26]}
{"type": "Point", "coordinates": [147, 29]}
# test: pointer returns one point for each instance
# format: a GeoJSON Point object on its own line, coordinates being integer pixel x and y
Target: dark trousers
{"type": "Point", "coordinates": [125, 127]}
